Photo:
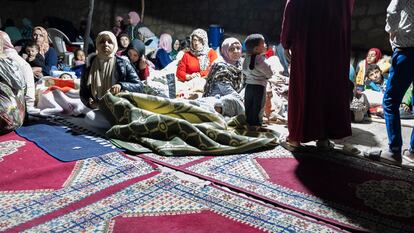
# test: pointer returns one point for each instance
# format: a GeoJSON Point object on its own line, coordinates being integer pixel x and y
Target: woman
{"type": "Point", "coordinates": [195, 64]}
{"type": "Point", "coordinates": [224, 81]}
{"type": "Point", "coordinates": [12, 88]}
{"type": "Point", "coordinates": [107, 72]}
{"type": "Point", "coordinates": [25, 70]}
{"type": "Point", "coordinates": [136, 55]}
{"type": "Point", "coordinates": [41, 38]}
{"type": "Point", "coordinates": [162, 55]}
{"type": "Point", "coordinates": [133, 26]}
{"type": "Point", "coordinates": [175, 48]}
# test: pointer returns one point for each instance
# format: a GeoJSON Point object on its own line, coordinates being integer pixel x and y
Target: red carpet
{"type": "Point", "coordinates": [341, 190]}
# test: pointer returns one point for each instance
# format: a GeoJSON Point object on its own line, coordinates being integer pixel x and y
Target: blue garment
{"type": "Point", "coordinates": [280, 51]}
{"type": "Point", "coordinates": [399, 80]}
{"type": "Point", "coordinates": [162, 59]}
{"type": "Point", "coordinates": [351, 73]}
{"type": "Point", "coordinates": [51, 59]}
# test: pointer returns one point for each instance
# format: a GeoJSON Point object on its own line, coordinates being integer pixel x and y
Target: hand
{"type": "Point", "coordinates": [196, 75]}
{"type": "Point", "coordinates": [92, 103]}
{"type": "Point", "coordinates": [188, 77]}
{"type": "Point", "coordinates": [115, 89]}
{"type": "Point", "coordinates": [142, 63]}
{"type": "Point", "coordinates": [405, 107]}
{"type": "Point", "coordinates": [392, 35]}
{"type": "Point", "coordinates": [37, 71]}
{"type": "Point", "coordinates": [288, 55]}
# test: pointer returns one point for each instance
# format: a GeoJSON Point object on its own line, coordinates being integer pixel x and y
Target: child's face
{"type": "Point", "coordinates": [65, 76]}
{"type": "Point", "coordinates": [133, 55]}
{"type": "Point", "coordinates": [80, 56]}
{"type": "Point", "coordinates": [260, 48]}
{"type": "Point", "coordinates": [375, 76]}
{"type": "Point", "coordinates": [124, 41]}
{"type": "Point", "coordinates": [32, 51]}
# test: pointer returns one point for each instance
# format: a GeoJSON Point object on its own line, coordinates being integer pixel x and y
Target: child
{"type": "Point", "coordinates": [79, 57]}
{"type": "Point", "coordinates": [257, 71]}
{"type": "Point", "coordinates": [35, 59]}
{"type": "Point", "coordinates": [374, 79]}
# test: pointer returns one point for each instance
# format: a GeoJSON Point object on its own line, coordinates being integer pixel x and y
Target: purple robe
{"type": "Point", "coordinates": [318, 34]}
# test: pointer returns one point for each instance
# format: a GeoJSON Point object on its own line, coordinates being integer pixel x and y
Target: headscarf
{"type": "Point", "coordinates": [165, 42]}
{"type": "Point", "coordinates": [45, 46]}
{"type": "Point", "coordinates": [146, 33]}
{"type": "Point", "coordinates": [101, 74]}
{"type": "Point", "coordinates": [136, 45]}
{"type": "Point", "coordinates": [173, 53]}
{"type": "Point", "coordinates": [225, 46]}
{"type": "Point", "coordinates": [202, 54]}
{"type": "Point", "coordinates": [135, 19]}
{"type": "Point", "coordinates": [378, 55]}
{"type": "Point", "coordinates": [7, 44]}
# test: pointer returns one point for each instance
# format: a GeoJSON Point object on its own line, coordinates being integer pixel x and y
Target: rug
{"type": "Point", "coordinates": [64, 143]}
{"type": "Point", "coordinates": [167, 203]}
{"type": "Point", "coordinates": [344, 191]}
{"type": "Point", "coordinates": [35, 187]}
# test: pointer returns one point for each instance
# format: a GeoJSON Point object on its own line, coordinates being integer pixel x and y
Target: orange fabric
{"type": "Point", "coordinates": [189, 64]}
{"type": "Point", "coordinates": [64, 82]}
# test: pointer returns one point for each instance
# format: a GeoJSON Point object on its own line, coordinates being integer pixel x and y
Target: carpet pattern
{"type": "Point", "coordinates": [178, 202]}
{"type": "Point", "coordinates": [341, 190]}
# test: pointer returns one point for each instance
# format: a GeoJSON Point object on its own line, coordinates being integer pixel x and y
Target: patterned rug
{"type": "Point", "coordinates": [65, 143]}
{"type": "Point", "coordinates": [167, 203]}
{"type": "Point", "coordinates": [341, 190]}
{"type": "Point", "coordinates": [35, 187]}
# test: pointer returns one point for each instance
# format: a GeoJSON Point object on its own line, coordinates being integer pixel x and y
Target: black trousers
{"type": "Point", "coordinates": [254, 101]}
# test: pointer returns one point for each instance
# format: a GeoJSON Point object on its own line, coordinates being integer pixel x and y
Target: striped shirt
{"type": "Point", "coordinates": [400, 19]}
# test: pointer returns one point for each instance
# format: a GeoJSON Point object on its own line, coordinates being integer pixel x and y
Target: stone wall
{"type": "Point", "coordinates": [180, 17]}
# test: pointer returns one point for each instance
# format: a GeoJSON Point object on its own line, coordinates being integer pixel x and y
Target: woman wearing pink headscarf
{"type": "Point", "coordinates": [25, 70]}
{"type": "Point", "coordinates": [162, 55]}
{"type": "Point", "coordinates": [134, 24]}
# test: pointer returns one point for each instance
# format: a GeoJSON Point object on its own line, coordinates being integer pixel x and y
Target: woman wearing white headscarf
{"type": "Point", "coordinates": [105, 72]}
{"type": "Point", "coordinates": [25, 70]}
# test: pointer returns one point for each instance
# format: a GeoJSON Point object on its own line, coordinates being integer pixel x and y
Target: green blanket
{"type": "Point", "coordinates": [145, 123]}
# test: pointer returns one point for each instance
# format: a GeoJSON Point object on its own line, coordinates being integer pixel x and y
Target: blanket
{"type": "Point", "coordinates": [172, 127]}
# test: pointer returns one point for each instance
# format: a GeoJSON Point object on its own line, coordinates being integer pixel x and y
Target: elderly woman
{"type": "Point", "coordinates": [25, 70]}
{"type": "Point", "coordinates": [41, 38]}
{"type": "Point", "coordinates": [106, 72]}
{"type": "Point", "coordinates": [225, 80]}
{"type": "Point", "coordinates": [196, 63]}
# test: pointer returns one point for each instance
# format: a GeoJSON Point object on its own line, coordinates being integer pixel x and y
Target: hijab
{"type": "Point", "coordinates": [378, 55]}
{"type": "Point", "coordinates": [225, 47]}
{"type": "Point", "coordinates": [135, 19]}
{"type": "Point", "coordinates": [101, 74]}
{"type": "Point", "coordinates": [165, 42]}
{"type": "Point", "coordinates": [44, 47]}
{"type": "Point", "coordinates": [173, 53]}
{"type": "Point", "coordinates": [202, 54]}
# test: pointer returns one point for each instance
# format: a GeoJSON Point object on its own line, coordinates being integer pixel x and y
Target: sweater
{"type": "Point", "coordinates": [189, 64]}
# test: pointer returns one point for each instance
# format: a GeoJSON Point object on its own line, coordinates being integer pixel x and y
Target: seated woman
{"type": "Point", "coordinates": [12, 90]}
{"type": "Point", "coordinates": [162, 55]}
{"type": "Point", "coordinates": [374, 56]}
{"type": "Point", "coordinates": [40, 37]}
{"type": "Point", "coordinates": [195, 64]}
{"type": "Point", "coordinates": [106, 72]}
{"type": "Point", "coordinates": [225, 80]}
{"type": "Point", "coordinates": [136, 55]}
{"type": "Point", "coordinates": [175, 48]}
{"type": "Point", "coordinates": [149, 39]}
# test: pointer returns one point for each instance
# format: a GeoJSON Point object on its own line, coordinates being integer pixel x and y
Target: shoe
{"type": "Point", "coordinates": [295, 149]}
{"type": "Point", "coordinates": [373, 154]}
{"type": "Point", "coordinates": [324, 145]}
{"type": "Point", "coordinates": [347, 149]}
{"type": "Point", "coordinates": [390, 157]}
{"type": "Point", "coordinates": [408, 159]}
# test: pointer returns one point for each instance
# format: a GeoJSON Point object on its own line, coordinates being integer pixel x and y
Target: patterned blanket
{"type": "Point", "coordinates": [173, 127]}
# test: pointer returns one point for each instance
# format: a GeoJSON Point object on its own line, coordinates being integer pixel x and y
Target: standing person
{"type": "Point", "coordinates": [318, 88]}
{"type": "Point", "coordinates": [257, 69]}
{"type": "Point", "coordinates": [400, 26]}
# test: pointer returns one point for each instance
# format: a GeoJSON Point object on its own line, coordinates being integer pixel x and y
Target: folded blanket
{"type": "Point", "coordinates": [172, 127]}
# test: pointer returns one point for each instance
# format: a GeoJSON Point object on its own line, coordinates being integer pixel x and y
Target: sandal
{"type": "Point", "coordinates": [373, 154]}
{"type": "Point", "coordinates": [347, 149]}
{"type": "Point", "coordinates": [324, 145]}
{"type": "Point", "coordinates": [391, 158]}
{"type": "Point", "coordinates": [295, 149]}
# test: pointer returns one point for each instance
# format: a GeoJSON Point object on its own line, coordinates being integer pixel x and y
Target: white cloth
{"type": "Point", "coordinates": [400, 19]}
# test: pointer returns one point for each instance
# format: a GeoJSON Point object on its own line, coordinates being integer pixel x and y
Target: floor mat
{"type": "Point", "coordinates": [64, 143]}
{"type": "Point", "coordinates": [341, 190]}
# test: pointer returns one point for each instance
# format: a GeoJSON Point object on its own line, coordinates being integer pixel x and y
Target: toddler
{"type": "Point", "coordinates": [35, 59]}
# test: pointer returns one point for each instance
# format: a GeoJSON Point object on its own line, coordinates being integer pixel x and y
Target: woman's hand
{"type": "Point", "coordinates": [93, 104]}
{"type": "Point", "coordinates": [142, 63]}
{"type": "Point", "coordinates": [115, 89]}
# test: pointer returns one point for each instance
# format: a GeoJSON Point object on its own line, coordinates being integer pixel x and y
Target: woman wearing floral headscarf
{"type": "Point", "coordinates": [41, 38]}
{"type": "Point", "coordinates": [197, 62]}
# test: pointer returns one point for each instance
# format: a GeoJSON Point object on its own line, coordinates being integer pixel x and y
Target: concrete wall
{"type": "Point", "coordinates": [180, 17]}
